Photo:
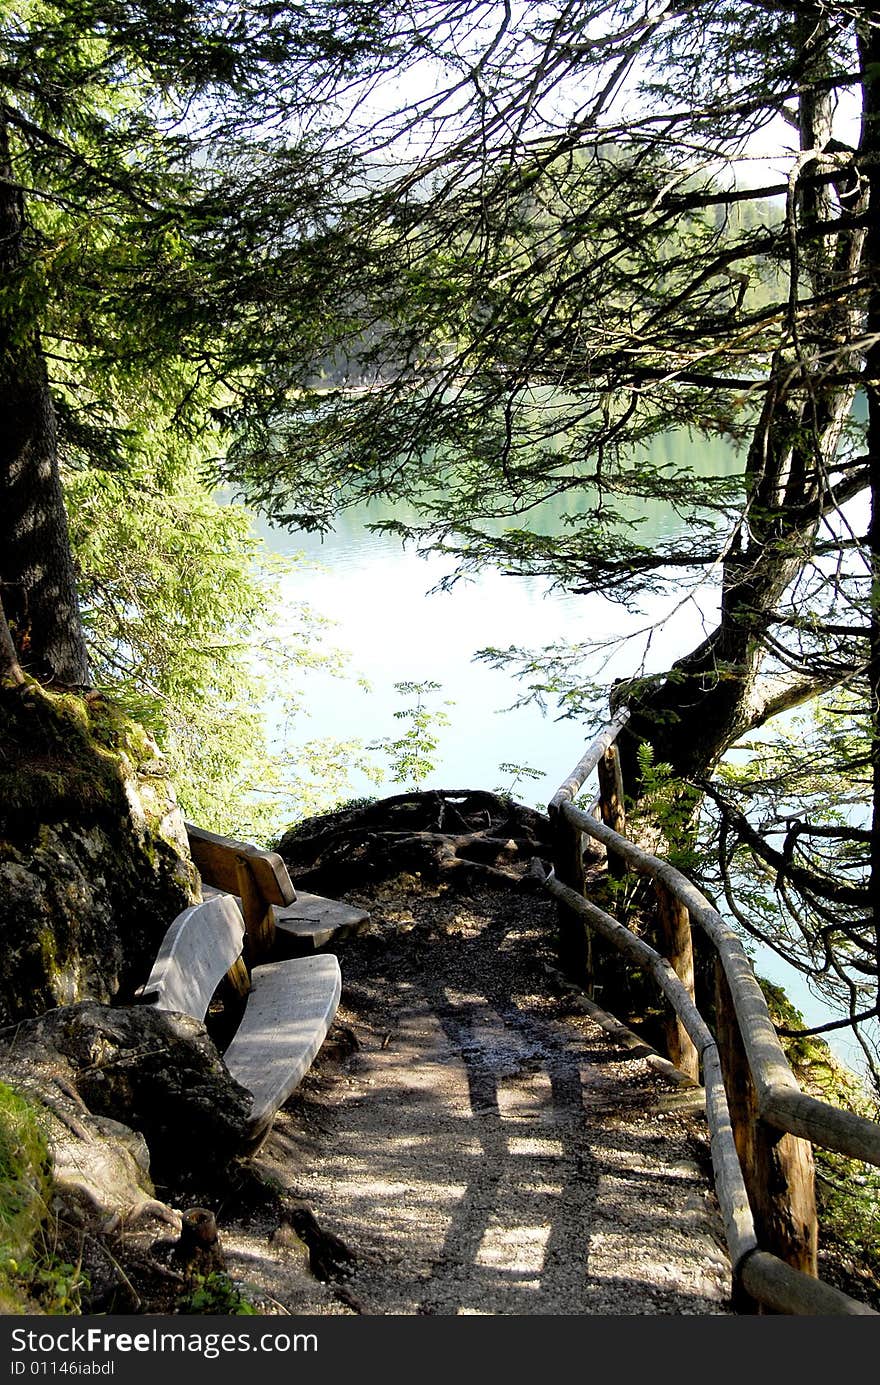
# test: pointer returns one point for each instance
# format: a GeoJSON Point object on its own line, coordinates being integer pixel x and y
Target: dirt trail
{"type": "Point", "coordinates": [472, 1144]}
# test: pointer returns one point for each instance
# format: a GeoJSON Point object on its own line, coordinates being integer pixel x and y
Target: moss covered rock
{"type": "Point", "coordinates": [94, 863]}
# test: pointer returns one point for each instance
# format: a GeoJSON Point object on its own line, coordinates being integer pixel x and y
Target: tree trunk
{"type": "Point", "coordinates": [870, 55]}
{"type": "Point", "coordinates": [713, 696]}
{"type": "Point", "coordinates": [36, 568]}
{"type": "Point", "coordinates": [709, 699]}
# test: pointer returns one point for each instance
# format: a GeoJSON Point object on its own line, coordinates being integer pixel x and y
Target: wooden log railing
{"type": "Point", "coordinates": [761, 1125]}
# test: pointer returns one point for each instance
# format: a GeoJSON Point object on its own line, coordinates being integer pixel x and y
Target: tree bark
{"type": "Point", "coordinates": [36, 567]}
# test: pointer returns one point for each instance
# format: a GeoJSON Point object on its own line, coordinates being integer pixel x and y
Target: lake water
{"type": "Point", "coordinates": [396, 626]}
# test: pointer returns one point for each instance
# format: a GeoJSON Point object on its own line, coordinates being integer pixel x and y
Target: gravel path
{"type": "Point", "coordinates": [477, 1144]}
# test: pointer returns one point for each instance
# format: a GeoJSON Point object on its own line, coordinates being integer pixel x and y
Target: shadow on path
{"type": "Point", "coordinates": [487, 1151]}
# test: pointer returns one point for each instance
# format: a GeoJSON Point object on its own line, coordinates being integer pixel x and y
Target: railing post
{"type": "Point", "coordinates": [575, 941]}
{"type": "Point", "coordinates": [676, 945]}
{"type": "Point", "coordinates": [567, 847]}
{"type": "Point", "coordinates": [611, 804]}
{"type": "Point", "coordinates": [777, 1168]}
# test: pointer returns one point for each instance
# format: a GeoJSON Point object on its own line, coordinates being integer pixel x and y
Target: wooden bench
{"type": "Point", "coordinates": [274, 913]}
{"type": "Point", "coordinates": [313, 921]}
{"type": "Point", "coordinates": [290, 1004]}
{"type": "Point", "coordinates": [258, 879]}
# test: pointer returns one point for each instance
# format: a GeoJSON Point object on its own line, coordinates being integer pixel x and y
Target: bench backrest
{"type": "Point", "coordinates": [218, 859]}
{"type": "Point", "coordinates": [200, 947]}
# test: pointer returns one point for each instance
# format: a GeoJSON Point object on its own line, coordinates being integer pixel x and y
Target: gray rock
{"type": "Point", "coordinates": [156, 1072]}
{"type": "Point", "coordinates": [99, 1168]}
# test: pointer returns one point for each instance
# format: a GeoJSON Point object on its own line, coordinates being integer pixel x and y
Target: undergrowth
{"type": "Point", "coordinates": [33, 1277]}
{"type": "Point", "coordinates": [215, 1293]}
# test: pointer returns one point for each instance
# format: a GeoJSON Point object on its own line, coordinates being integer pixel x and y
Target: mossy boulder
{"type": "Point", "coordinates": [95, 1102]}
{"type": "Point", "coordinates": [94, 863]}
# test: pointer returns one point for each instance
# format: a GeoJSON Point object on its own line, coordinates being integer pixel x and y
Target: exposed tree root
{"type": "Point", "coordinates": [481, 837]}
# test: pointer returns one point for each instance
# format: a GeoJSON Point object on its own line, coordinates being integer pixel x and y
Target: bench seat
{"type": "Point", "coordinates": [290, 1004]}
{"type": "Point", "coordinates": [314, 921]}
{"type": "Point", "coordinates": [289, 1011]}
{"type": "Point", "coordinates": [199, 948]}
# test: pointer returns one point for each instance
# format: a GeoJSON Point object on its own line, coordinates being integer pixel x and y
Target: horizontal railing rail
{"type": "Point", "coordinates": [782, 1103]}
{"type": "Point", "coordinates": [760, 1142]}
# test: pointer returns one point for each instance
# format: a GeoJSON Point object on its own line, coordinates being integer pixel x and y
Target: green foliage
{"type": "Point", "coordinates": [520, 773]}
{"type": "Point", "coordinates": [848, 1203]}
{"type": "Point", "coordinates": [162, 210]}
{"type": "Point", "coordinates": [158, 273]}
{"type": "Point", "coordinates": [32, 1276]}
{"type": "Point", "coordinates": [24, 1181]}
{"type": "Point", "coordinates": [182, 607]}
{"type": "Point", "coordinates": [810, 764]}
{"type": "Point", "coordinates": [315, 776]}
{"type": "Point", "coordinates": [215, 1293]}
{"type": "Point", "coordinates": [410, 754]}
{"type": "Point", "coordinates": [787, 826]}
{"type": "Point", "coordinates": [350, 805]}
{"type": "Point", "coordinates": [664, 815]}
{"type": "Point", "coordinates": [847, 1190]}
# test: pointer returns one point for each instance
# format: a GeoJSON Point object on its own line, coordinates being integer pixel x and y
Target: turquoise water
{"type": "Point", "coordinates": [397, 625]}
